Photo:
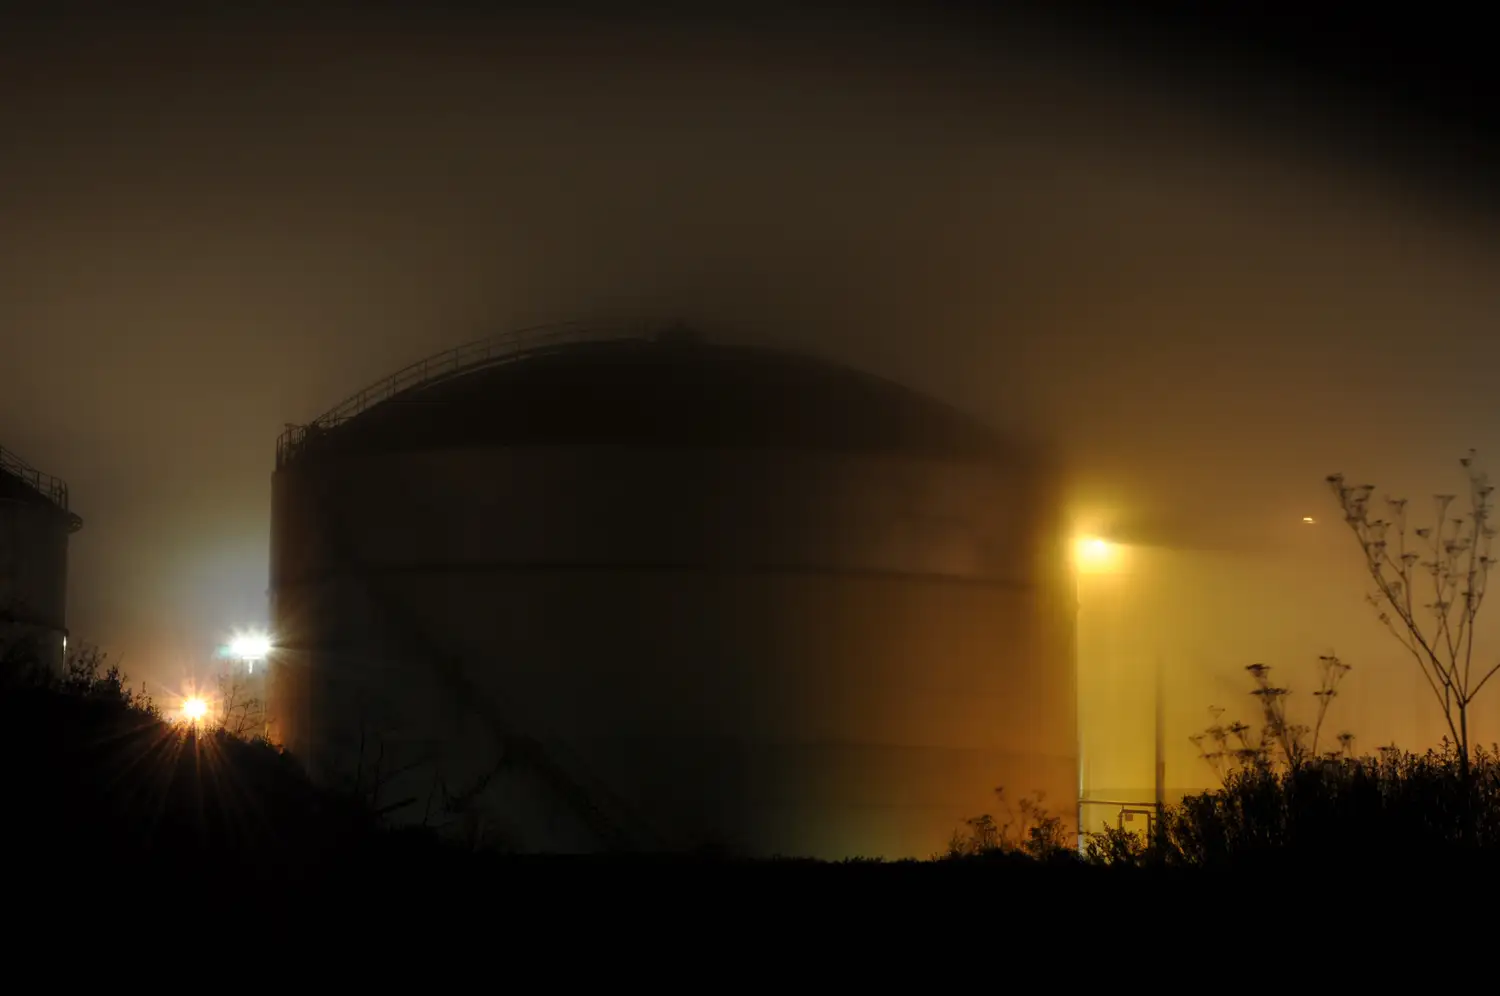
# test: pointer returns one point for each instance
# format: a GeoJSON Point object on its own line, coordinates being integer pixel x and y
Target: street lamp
{"type": "Point", "coordinates": [249, 647]}
{"type": "Point", "coordinates": [1102, 566]}
{"type": "Point", "coordinates": [1096, 555]}
{"type": "Point", "coordinates": [194, 709]}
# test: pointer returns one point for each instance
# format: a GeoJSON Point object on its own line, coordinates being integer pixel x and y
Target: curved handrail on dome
{"type": "Point", "coordinates": [469, 356]}
{"type": "Point", "coordinates": [54, 489]}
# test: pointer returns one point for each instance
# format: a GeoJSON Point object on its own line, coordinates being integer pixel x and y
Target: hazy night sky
{"type": "Point", "coordinates": [1208, 296]}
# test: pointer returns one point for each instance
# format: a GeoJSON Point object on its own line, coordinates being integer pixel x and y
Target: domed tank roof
{"type": "Point", "coordinates": [671, 390]}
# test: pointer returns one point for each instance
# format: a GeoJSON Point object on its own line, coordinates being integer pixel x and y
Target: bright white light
{"type": "Point", "coordinates": [1308, 519]}
{"type": "Point", "coordinates": [1093, 548]}
{"type": "Point", "coordinates": [194, 709]}
{"type": "Point", "coordinates": [1094, 555]}
{"type": "Point", "coordinates": [250, 646]}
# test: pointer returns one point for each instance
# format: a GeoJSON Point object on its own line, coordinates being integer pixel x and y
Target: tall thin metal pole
{"type": "Point", "coordinates": [1082, 787]}
{"type": "Point", "coordinates": [1161, 759]}
{"type": "Point", "coordinates": [1078, 717]}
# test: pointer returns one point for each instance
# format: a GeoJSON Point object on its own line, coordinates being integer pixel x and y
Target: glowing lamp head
{"type": "Point", "coordinates": [194, 709]}
{"type": "Point", "coordinates": [1094, 555]}
{"type": "Point", "coordinates": [250, 646]}
{"type": "Point", "coordinates": [1093, 548]}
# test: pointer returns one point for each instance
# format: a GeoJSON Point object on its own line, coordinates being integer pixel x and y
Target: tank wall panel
{"type": "Point", "coordinates": [805, 684]}
{"type": "Point", "coordinates": [613, 505]}
{"type": "Point", "coordinates": [792, 652]}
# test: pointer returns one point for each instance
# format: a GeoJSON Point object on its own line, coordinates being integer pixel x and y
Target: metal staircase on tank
{"type": "Point", "coordinates": [466, 358]}
{"type": "Point", "coordinates": [54, 489]}
{"type": "Point", "coordinates": [507, 347]}
{"type": "Point", "coordinates": [582, 792]}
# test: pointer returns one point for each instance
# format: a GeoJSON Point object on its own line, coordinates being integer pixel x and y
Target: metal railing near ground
{"type": "Point", "coordinates": [53, 488]}
{"type": "Point", "coordinates": [470, 356]}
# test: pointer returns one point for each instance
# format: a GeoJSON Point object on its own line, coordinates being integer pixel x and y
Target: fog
{"type": "Point", "coordinates": [210, 232]}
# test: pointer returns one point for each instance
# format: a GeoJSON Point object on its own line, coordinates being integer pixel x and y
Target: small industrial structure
{"type": "Point", "coordinates": [572, 590]}
{"type": "Point", "coordinates": [35, 523]}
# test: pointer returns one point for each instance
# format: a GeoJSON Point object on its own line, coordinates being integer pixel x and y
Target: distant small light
{"type": "Point", "coordinates": [1308, 519]}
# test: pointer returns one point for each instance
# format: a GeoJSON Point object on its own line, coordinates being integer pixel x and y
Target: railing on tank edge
{"type": "Point", "coordinates": [459, 359]}
{"type": "Point", "coordinates": [54, 488]}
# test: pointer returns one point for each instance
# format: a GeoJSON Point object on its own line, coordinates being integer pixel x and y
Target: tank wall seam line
{"type": "Point", "coordinates": [519, 567]}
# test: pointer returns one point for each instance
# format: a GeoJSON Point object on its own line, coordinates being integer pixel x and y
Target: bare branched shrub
{"type": "Point", "coordinates": [1119, 847]}
{"type": "Point", "coordinates": [1393, 806]}
{"type": "Point", "coordinates": [1278, 742]}
{"type": "Point", "coordinates": [1028, 828]}
{"type": "Point", "coordinates": [1384, 811]}
{"type": "Point", "coordinates": [1429, 586]}
{"type": "Point", "coordinates": [89, 674]}
{"type": "Point", "coordinates": [242, 714]}
{"type": "Point", "coordinates": [470, 818]}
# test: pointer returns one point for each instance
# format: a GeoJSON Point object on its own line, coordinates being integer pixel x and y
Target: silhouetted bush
{"type": "Point", "coordinates": [1388, 812]}
{"type": "Point", "coordinates": [104, 794]}
{"type": "Point", "coordinates": [1027, 829]}
{"type": "Point", "coordinates": [100, 786]}
{"type": "Point", "coordinates": [1279, 742]}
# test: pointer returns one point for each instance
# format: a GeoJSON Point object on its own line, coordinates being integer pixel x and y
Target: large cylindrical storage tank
{"type": "Point", "coordinates": [35, 523]}
{"type": "Point", "coordinates": [666, 594]}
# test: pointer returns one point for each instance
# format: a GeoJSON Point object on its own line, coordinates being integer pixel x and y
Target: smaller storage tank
{"type": "Point", "coordinates": [35, 523]}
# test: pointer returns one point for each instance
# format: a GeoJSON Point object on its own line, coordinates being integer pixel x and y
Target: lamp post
{"type": "Point", "coordinates": [249, 649]}
{"type": "Point", "coordinates": [1104, 570]}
